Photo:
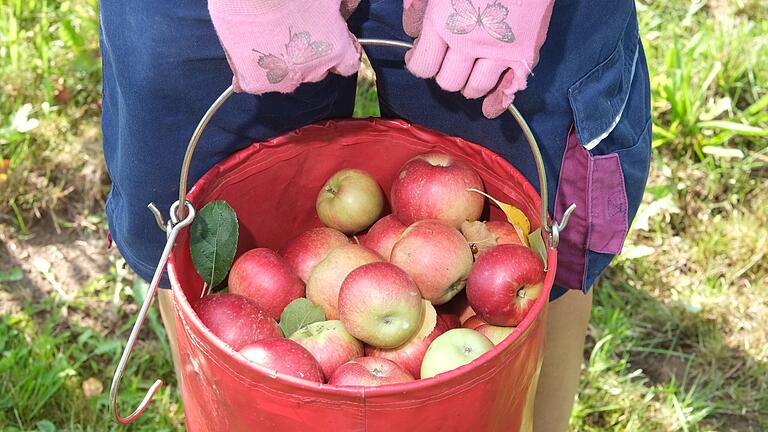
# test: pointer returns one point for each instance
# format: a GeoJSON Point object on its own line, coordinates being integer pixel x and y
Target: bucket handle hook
{"type": "Point", "coordinates": [173, 227]}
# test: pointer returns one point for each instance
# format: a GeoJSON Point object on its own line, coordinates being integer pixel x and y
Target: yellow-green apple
{"type": "Point", "coordinates": [434, 186]}
{"type": "Point", "coordinates": [284, 356]}
{"type": "Point", "coordinates": [305, 251]}
{"type": "Point", "coordinates": [369, 372]}
{"type": "Point", "coordinates": [453, 349]}
{"type": "Point", "coordinates": [325, 280]}
{"type": "Point", "coordinates": [350, 201]}
{"type": "Point", "coordinates": [235, 319]}
{"type": "Point", "coordinates": [495, 334]}
{"type": "Point", "coordinates": [383, 235]}
{"type": "Point", "coordinates": [504, 284]}
{"type": "Point", "coordinates": [436, 256]}
{"type": "Point", "coordinates": [380, 305]}
{"type": "Point", "coordinates": [330, 344]}
{"type": "Point", "coordinates": [264, 277]}
{"type": "Point", "coordinates": [410, 354]}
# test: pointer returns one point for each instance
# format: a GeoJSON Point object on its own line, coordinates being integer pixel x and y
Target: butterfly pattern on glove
{"type": "Point", "coordinates": [299, 50]}
{"type": "Point", "coordinates": [466, 18]}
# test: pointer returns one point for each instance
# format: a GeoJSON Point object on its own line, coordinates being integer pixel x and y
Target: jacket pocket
{"type": "Point", "coordinates": [605, 163]}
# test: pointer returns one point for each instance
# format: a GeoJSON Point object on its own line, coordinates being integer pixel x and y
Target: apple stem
{"type": "Point", "coordinates": [521, 292]}
{"type": "Point", "coordinates": [331, 190]}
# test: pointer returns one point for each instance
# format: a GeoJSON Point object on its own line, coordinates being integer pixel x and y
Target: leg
{"type": "Point", "coordinates": [563, 355]}
{"type": "Point", "coordinates": [165, 303]}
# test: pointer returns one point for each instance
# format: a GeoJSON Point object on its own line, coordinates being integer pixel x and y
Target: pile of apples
{"type": "Point", "coordinates": [389, 292]}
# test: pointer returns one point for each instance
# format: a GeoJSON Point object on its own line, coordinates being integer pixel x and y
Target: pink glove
{"type": "Point", "coordinates": [474, 48]}
{"type": "Point", "coordinates": [275, 45]}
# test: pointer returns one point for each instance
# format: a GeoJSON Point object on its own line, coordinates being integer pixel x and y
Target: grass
{"type": "Point", "coordinates": [677, 340]}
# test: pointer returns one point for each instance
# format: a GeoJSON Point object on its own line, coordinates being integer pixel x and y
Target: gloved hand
{"type": "Point", "coordinates": [478, 47]}
{"type": "Point", "coordinates": [275, 45]}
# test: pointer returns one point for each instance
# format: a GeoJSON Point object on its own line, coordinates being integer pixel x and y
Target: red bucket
{"type": "Point", "coordinates": [272, 186]}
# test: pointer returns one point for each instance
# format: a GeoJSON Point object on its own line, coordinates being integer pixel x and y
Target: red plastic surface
{"type": "Point", "coordinates": [272, 186]}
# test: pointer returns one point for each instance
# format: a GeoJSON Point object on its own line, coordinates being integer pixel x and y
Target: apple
{"type": "Point", "coordinates": [350, 201]}
{"type": "Point", "coordinates": [369, 372]}
{"type": "Point", "coordinates": [449, 319]}
{"type": "Point", "coordinates": [436, 256]}
{"type": "Point", "coordinates": [305, 251]}
{"type": "Point", "coordinates": [380, 305]}
{"type": "Point", "coordinates": [410, 354]}
{"type": "Point", "coordinates": [473, 322]}
{"type": "Point", "coordinates": [330, 344]}
{"type": "Point", "coordinates": [383, 235]}
{"type": "Point", "coordinates": [506, 233]}
{"type": "Point", "coordinates": [284, 356]}
{"type": "Point", "coordinates": [235, 319]}
{"type": "Point", "coordinates": [453, 349]}
{"type": "Point", "coordinates": [457, 306]}
{"type": "Point", "coordinates": [495, 334]}
{"type": "Point", "coordinates": [265, 277]}
{"type": "Point", "coordinates": [434, 186]}
{"type": "Point", "coordinates": [504, 284]}
{"type": "Point", "coordinates": [325, 280]}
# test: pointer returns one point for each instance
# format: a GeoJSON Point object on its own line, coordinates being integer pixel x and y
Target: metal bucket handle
{"type": "Point", "coordinates": [180, 217]}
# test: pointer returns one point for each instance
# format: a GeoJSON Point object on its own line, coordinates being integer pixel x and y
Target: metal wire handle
{"type": "Point", "coordinates": [181, 216]}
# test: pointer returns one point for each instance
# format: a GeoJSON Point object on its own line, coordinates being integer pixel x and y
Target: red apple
{"type": "Point", "coordinates": [473, 322]}
{"type": "Point", "coordinates": [495, 334]}
{"type": "Point", "coordinates": [380, 305]}
{"type": "Point", "coordinates": [383, 235]}
{"type": "Point", "coordinates": [458, 306]}
{"type": "Point", "coordinates": [506, 233]}
{"type": "Point", "coordinates": [504, 283]}
{"type": "Point", "coordinates": [264, 277]}
{"type": "Point", "coordinates": [325, 281]}
{"type": "Point", "coordinates": [304, 252]}
{"type": "Point", "coordinates": [350, 201]}
{"type": "Point", "coordinates": [284, 356]}
{"type": "Point", "coordinates": [436, 256]}
{"type": "Point", "coordinates": [369, 372]}
{"type": "Point", "coordinates": [434, 186]}
{"type": "Point", "coordinates": [330, 344]}
{"type": "Point", "coordinates": [235, 319]}
{"type": "Point", "coordinates": [449, 319]}
{"type": "Point", "coordinates": [410, 354]}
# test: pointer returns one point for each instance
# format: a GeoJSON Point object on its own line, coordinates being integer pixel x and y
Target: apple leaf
{"type": "Point", "coordinates": [538, 246]}
{"type": "Point", "coordinates": [299, 314]}
{"type": "Point", "coordinates": [14, 274]}
{"type": "Point", "coordinates": [515, 216]}
{"type": "Point", "coordinates": [479, 237]}
{"type": "Point", "coordinates": [213, 241]}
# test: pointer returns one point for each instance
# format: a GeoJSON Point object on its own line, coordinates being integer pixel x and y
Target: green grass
{"type": "Point", "coordinates": [677, 340]}
{"type": "Point", "coordinates": [49, 350]}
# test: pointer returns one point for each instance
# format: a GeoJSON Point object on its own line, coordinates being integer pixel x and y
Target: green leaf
{"type": "Point", "coordinates": [13, 275]}
{"type": "Point", "coordinates": [213, 241]}
{"type": "Point", "coordinates": [537, 244]}
{"type": "Point", "coordinates": [299, 314]}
